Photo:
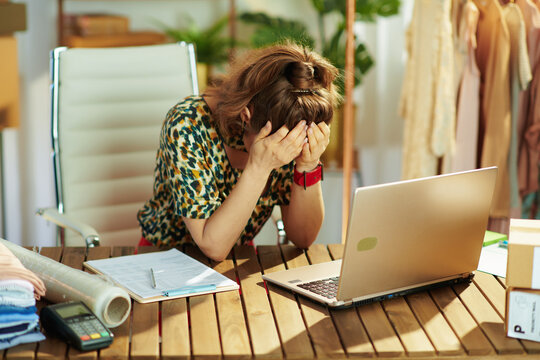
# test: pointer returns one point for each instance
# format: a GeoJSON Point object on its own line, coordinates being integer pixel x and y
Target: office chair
{"type": "Point", "coordinates": [108, 106]}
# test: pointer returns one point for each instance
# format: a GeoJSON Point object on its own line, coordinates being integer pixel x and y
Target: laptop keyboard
{"type": "Point", "coordinates": [325, 287]}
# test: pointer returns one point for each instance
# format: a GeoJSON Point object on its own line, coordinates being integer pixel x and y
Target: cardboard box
{"type": "Point", "coordinates": [523, 269]}
{"type": "Point", "coordinates": [9, 84]}
{"type": "Point", "coordinates": [12, 17]}
{"type": "Point", "coordinates": [522, 317]}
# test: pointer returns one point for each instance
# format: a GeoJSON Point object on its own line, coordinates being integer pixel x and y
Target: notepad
{"type": "Point", "coordinates": [175, 273]}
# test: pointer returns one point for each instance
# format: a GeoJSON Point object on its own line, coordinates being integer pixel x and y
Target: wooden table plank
{"type": "Point", "coordinates": [488, 319]}
{"type": "Point", "coordinates": [205, 337]}
{"type": "Point", "coordinates": [441, 334]}
{"type": "Point", "coordinates": [348, 325]}
{"type": "Point", "coordinates": [380, 331]}
{"type": "Point", "coordinates": [292, 330]}
{"type": "Point", "coordinates": [336, 251]}
{"type": "Point", "coordinates": [494, 292]}
{"type": "Point", "coordinates": [175, 329]}
{"type": "Point", "coordinates": [74, 257]}
{"type": "Point", "coordinates": [119, 349]}
{"type": "Point", "coordinates": [412, 335]}
{"type": "Point", "coordinates": [383, 337]}
{"type": "Point", "coordinates": [262, 329]}
{"type": "Point", "coordinates": [100, 252]}
{"type": "Point", "coordinates": [232, 324]}
{"type": "Point", "coordinates": [471, 336]}
{"type": "Point", "coordinates": [319, 324]}
{"type": "Point", "coordinates": [145, 325]}
{"type": "Point", "coordinates": [21, 352]}
{"type": "Point", "coordinates": [145, 331]}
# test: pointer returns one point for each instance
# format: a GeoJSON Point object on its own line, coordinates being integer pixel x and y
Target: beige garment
{"type": "Point", "coordinates": [11, 268]}
{"type": "Point", "coordinates": [529, 103]}
{"type": "Point", "coordinates": [428, 97]}
{"type": "Point", "coordinates": [520, 76]}
{"type": "Point", "coordinates": [465, 155]}
{"type": "Point", "coordinates": [460, 47]}
{"type": "Point", "coordinates": [493, 57]}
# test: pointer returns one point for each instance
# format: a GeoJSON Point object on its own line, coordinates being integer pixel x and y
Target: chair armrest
{"type": "Point", "coordinates": [88, 233]}
{"type": "Point", "coordinates": [280, 227]}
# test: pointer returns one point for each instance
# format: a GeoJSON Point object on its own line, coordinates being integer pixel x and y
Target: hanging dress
{"type": "Point", "coordinates": [427, 102]}
{"type": "Point", "coordinates": [493, 56]}
{"type": "Point", "coordinates": [529, 109]}
{"type": "Point", "coordinates": [465, 155]}
{"type": "Point", "coordinates": [520, 76]}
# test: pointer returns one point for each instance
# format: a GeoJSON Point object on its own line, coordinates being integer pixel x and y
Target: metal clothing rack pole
{"type": "Point", "coordinates": [348, 116]}
{"type": "Point", "coordinates": [232, 27]}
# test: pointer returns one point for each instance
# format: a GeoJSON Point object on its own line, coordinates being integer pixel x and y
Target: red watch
{"type": "Point", "coordinates": [306, 179]}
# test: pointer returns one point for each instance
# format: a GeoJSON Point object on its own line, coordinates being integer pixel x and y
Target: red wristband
{"type": "Point", "coordinates": [306, 179]}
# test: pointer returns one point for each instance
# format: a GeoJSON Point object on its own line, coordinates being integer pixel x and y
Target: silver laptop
{"type": "Point", "coordinates": [403, 237]}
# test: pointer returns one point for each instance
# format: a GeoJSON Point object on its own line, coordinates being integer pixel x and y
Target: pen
{"type": "Point", "coordinates": [190, 290]}
{"type": "Point", "coordinates": [154, 285]}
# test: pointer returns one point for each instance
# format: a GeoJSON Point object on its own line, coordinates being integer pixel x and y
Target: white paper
{"type": "Point", "coordinates": [493, 259]}
{"type": "Point", "coordinates": [524, 315]}
{"type": "Point", "coordinates": [172, 268]}
{"type": "Point", "coordinates": [535, 281]}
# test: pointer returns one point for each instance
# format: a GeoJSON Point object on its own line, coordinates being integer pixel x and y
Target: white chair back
{"type": "Point", "coordinates": [108, 106]}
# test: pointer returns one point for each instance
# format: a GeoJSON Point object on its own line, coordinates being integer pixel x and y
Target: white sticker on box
{"type": "Point", "coordinates": [524, 316]}
{"type": "Point", "coordinates": [535, 281]}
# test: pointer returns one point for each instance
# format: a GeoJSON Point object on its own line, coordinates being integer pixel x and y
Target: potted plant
{"type": "Point", "coordinates": [211, 46]}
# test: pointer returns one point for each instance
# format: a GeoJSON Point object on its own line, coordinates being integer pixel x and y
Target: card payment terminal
{"type": "Point", "coordinates": [75, 323]}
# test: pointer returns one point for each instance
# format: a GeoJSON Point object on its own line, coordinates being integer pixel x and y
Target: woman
{"type": "Point", "coordinates": [251, 142]}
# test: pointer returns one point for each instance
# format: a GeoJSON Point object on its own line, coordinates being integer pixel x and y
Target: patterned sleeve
{"type": "Point", "coordinates": [185, 149]}
{"type": "Point", "coordinates": [285, 174]}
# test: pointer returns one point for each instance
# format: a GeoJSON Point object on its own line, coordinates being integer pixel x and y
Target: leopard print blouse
{"type": "Point", "coordinates": [193, 177]}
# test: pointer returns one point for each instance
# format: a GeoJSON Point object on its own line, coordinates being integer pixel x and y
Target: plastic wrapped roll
{"type": "Point", "coordinates": [110, 303]}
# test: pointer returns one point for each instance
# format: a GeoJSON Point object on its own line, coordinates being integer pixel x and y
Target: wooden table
{"type": "Point", "coordinates": [463, 321]}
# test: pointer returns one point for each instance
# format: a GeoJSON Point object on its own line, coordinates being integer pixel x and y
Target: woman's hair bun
{"type": "Point", "coordinates": [302, 75]}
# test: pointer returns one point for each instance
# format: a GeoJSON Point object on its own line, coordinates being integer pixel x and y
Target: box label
{"type": "Point", "coordinates": [524, 316]}
{"type": "Point", "coordinates": [535, 281]}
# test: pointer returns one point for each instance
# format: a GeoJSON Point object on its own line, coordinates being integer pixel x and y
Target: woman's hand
{"type": "Point", "coordinates": [318, 136]}
{"type": "Point", "coordinates": [269, 152]}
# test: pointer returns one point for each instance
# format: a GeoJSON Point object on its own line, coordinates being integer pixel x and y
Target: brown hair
{"type": "Point", "coordinates": [281, 83]}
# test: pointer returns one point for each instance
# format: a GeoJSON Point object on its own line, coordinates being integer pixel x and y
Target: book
{"type": "Point", "coordinates": [161, 275]}
{"type": "Point", "coordinates": [134, 38]}
{"type": "Point", "coordinates": [94, 24]}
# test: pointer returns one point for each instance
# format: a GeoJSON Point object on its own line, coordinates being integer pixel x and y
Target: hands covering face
{"type": "Point", "coordinates": [318, 136]}
{"type": "Point", "coordinates": [303, 143]}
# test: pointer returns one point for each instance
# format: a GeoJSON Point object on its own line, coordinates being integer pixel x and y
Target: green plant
{"type": "Point", "coordinates": [211, 46]}
{"type": "Point", "coordinates": [270, 30]}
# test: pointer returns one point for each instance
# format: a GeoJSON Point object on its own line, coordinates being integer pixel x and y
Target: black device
{"type": "Point", "coordinates": [76, 324]}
